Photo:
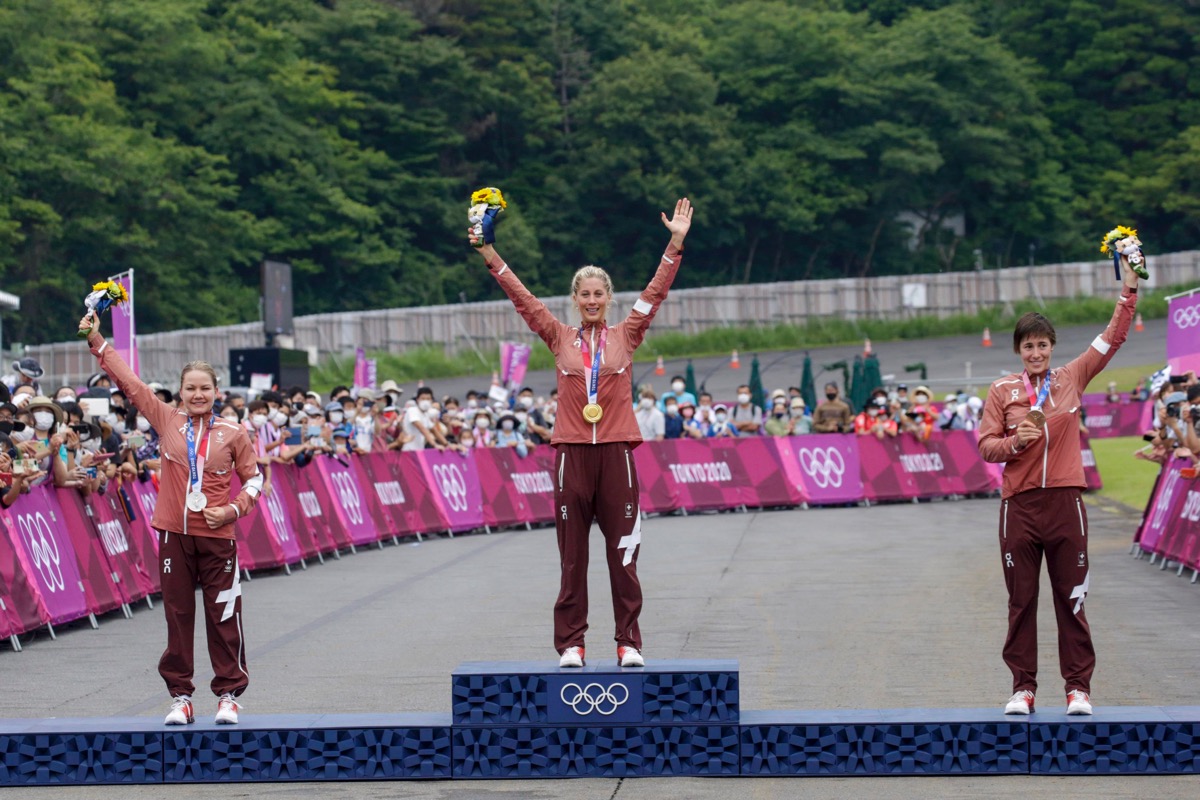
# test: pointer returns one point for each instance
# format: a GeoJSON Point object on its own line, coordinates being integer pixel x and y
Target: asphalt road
{"type": "Point", "coordinates": [883, 607]}
{"type": "Point", "coordinates": [953, 362]}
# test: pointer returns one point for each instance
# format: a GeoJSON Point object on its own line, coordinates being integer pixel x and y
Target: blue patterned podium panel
{"type": "Point", "coordinates": [1117, 741]}
{"type": "Point", "coordinates": [268, 748]}
{"type": "Point", "coordinates": [537, 693]}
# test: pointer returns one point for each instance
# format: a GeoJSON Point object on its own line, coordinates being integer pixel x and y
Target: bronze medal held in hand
{"type": "Point", "coordinates": [1036, 416]}
{"type": "Point", "coordinates": [592, 412]}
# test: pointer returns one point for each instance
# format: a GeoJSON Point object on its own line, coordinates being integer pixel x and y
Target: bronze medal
{"type": "Point", "coordinates": [592, 412]}
{"type": "Point", "coordinates": [1036, 416]}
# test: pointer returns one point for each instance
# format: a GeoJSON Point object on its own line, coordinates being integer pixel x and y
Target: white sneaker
{"type": "Point", "coordinates": [1020, 703]}
{"type": "Point", "coordinates": [630, 657]}
{"type": "Point", "coordinates": [181, 712]}
{"type": "Point", "coordinates": [227, 710]}
{"type": "Point", "coordinates": [571, 657]}
{"type": "Point", "coordinates": [1078, 702]}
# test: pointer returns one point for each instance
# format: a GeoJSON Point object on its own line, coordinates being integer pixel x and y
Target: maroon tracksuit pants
{"type": "Point", "coordinates": [213, 564]}
{"type": "Point", "coordinates": [1051, 522]}
{"type": "Point", "coordinates": [597, 481]}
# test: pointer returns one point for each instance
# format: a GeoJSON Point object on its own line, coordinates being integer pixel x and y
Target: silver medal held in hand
{"type": "Point", "coordinates": [196, 501]}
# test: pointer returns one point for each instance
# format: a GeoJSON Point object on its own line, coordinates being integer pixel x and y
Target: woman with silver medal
{"type": "Point", "coordinates": [595, 431]}
{"type": "Point", "coordinates": [194, 519]}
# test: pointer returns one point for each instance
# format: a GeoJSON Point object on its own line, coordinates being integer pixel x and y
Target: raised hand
{"type": "Point", "coordinates": [680, 222]}
{"type": "Point", "coordinates": [89, 321]}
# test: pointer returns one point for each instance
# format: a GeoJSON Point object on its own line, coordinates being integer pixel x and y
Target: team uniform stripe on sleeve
{"type": "Point", "coordinates": [642, 307]}
{"type": "Point", "coordinates": [668, 259]}
{"type": "Point", "coordinates": [1101, 345]}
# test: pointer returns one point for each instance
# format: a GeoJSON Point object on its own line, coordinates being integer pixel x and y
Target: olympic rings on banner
{"type": "Point", "coordinates": [348, 497]}
{"type": "Point", "coordinates": [452, 485]}
{"type": "Point", "coordinates": [598, 700]}
{"type": "Point", "coordinates": [824, 465]}
{"type": "Point", "coordinates": [275, 508]}
{"type": "Point", "coordinates": [1187, 317]}
{"type": "Point", "coordinates": [43, 549]}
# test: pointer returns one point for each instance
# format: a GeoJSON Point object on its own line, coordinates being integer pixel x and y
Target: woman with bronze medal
{"type": "Point", "coordinates": [1031, 425]}
{"type": "Point", "coordinates": [194, 520]}
{"type": "Point", "coordinates": [595, 431]}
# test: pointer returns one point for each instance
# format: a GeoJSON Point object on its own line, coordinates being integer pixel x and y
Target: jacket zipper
{"type": "Point", "coordinates": [562, 463]}
{"type": "Point", "coordinates": [628, 470]}
{"type": "Point", "coordinates": [1004, 530]}
{"type": "Point", "coordinates": [1079, 511]}
{"type": "Point", "coordinates": [1045, 454]}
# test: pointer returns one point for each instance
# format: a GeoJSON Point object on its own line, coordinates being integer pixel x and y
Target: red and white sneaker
{"type": "Point", "coordinates": [227, 710]}
{"type": "Point", "coordinates": [1020, 703]}
{"type": "Point", "coordinates": [630, 657]}
{"type": "Point", "coordinates": [571, 657]}
{"type": "Point", "coordinates": [1078, 702]}
{"type": "Point", "coordinates": [181, 712]}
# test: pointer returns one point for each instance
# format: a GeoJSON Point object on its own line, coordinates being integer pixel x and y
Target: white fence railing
{"type": "Point", "coordinates": [456, 327]}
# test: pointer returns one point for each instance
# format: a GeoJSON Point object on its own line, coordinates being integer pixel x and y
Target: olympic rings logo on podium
{"type": "Point", "coordinates": [824, 465]}
{"type": "Point", "coordinates": [1187, 317]}
{"type": "Point", "coordinates": [43, 549]}
{"type": "Point", "coordinates": [594, 697]}
{"type": "Point", "coordinates": [452, 485]}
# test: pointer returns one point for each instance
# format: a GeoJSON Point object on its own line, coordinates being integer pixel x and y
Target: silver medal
{"type": "Point", "coordinates": [196, 501]}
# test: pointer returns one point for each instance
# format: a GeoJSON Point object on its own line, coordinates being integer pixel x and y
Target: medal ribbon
{"type": "Point", "coordinates": [196, 460]}
{"type": "Point", "coordinates": [1041, 395]}
{"type": "Point", "coordinates": [593, 381]}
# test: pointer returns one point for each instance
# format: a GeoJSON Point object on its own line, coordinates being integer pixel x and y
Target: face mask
{"type": "Point", "coordinates": [66, 398]}
{"type": "Point", "coordinates": [258, 420]}
{"type": "Point", "coordinates": [22, 436]}
{"type": "Point", "coordinates": [831, 395]}
{"type": "Point", "coordinates": [507, 425]}
{"type": "Point", "coordinates": [91, 445]}
{"type": "Point", "coordinates": [677, 387]}
{"type": "Point", "coordinates": [797, 412]}
{"type": "Point", "coordinates": [526, 402]}
{"type": "Point", "coordinates": [780, 411]}
{"type": "Point", "coordinates": [705, 406]}
{"type": "Point", "coordinates": [467, 442]}
{"type": "Point", "coordinates": [143, 424]}
{"type": "Point", "coordinates": [721, 415]}
{"type": "Point", "coordinates": [482, 423]}
{"type": "Point", "coordinates": [743, 398]}
{"type": "Point", "coordinates": [314, 430]}
{"type": "Point", "coordinates": [521, 417]}
{"type": "Point", "coordinates": [336, 417]}
{"type": "Point", "coordinates": [280, 419]}
{"type": "Point", "coordinates": [921, 399]}
{"type": "Point", "coordinates": [42, 420]}
{"type": "Point", "coordinates": [424, 405]}
{"type": "Point", "coordinates": [364, 415]}
{"type": "Point", "coordinates": [645, 403]}
{"type": "Point", "coordinates": [672, 410]}
{"type": "Point", "coordinates": [111, 419]}
{"type": "Point", "coordinates": [311, 410]}
{"type": "Point", "coordinates": [472, 404]}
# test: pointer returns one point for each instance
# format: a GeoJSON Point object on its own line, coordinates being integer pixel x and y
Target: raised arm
{"type": "Point", "coordinates": [656, 292]}
{"type": "Point", "coordinates": [142, 396]}
{"type": "Point", "coordinates": [539, 318]}
{"type": "Point", "coordinates": [1102, 349]}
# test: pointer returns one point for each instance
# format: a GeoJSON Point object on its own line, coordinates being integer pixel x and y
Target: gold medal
{"type": "Point", "coordinates": [592, 412]}
{"type": "Point", "coordinates": [1036, 416]}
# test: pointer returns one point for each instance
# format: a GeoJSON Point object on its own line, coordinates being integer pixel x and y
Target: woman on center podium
{"type": "Point", "coordinates": [594, 435]}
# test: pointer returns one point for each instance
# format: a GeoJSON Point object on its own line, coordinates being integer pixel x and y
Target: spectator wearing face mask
{"type": "Point", "coordinates": [678, 392]}
{"type": "Point", "coordinates": [779, 423]}
{"type": "Point", "coordinates": [651, 421]}
{"type": "Point", "coordinates": [801, 421]}
{"type": "Point", "coordinates": [693, 428]}
{"type": "Point", "coordinates": [484, 435]}
{"type": "Point", "coordinates": [508, 434]}
{"type": "Point", "coordinates": [874, 420]}
{"type": "Point", "coordinates": [420, 423]}
{"type": "Point", "coordinates": [704, 409]}
{"type": "Point", "coordinates": [536, 428]}
{"type": "Point", "coordinates": [22, 479]}
{"type": "Point", "coordinates": [26, 372]}
{"type": "Point", "coordinates": [833, 415]}
{"type": "Point", "coordinates": [672, 421]}
{"type": "Point", "coordinates": [745, 418]}
{"type": "Point", "coordinates": [365, 427]}
{"type": "Point", "coordinates": [919, 419]}
{"type": "Point", "coordinates": [721, 427]}
{"type": "Point", "coordinates": [64, 395]}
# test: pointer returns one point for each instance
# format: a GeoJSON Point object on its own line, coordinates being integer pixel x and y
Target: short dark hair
{"type": "Point", "coordinates": [271, 397]}
{"type": "Point", "coordinates": [1033, 324]}
{"type": "Point", "coordinates": [677, 378]}
{"type": "Point", "coordinates": [831, 383]}
{"type": "Point", "coordinates": [1194, 393]}
{"type": "Point", "coordinates": [423, 391]}
{"type": "Point", "coordinates": [745, 386]}
{"type": "Point", "coordinates": [256, 405]}
{"type": "Point", "coordinates": [336, 391]}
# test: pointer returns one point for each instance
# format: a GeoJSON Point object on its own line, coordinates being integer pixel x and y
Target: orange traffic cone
{"type": "Point", "coordinates": [867, 346]}
{"type": "Point", "coordinates": [1138, 325]}
{"type": "Point", "coordinates": [987, 337]}
{"type": "Point", "coordinates": [659, 369]}
{"type": "Point", "coordinates": [734, 363]}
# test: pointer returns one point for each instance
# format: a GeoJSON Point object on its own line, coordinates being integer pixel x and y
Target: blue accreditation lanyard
{"type": "Point", "coordinates": [196, 459]}
{"type": "Point", "coordinates": [593, 379]}
{"type": "Point", "coordinates": [1041, 395]}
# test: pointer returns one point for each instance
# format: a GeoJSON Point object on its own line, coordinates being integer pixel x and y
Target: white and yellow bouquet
{"type": "Point", "coordinates": [1123, 241]}
{"type": "Point", "coordinates": [104, 295]}
{"type": "Point", "coordinates": [486, 203]}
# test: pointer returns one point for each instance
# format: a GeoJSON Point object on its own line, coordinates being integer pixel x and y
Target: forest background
{"type": "Point", "coordinates": [190, 139]}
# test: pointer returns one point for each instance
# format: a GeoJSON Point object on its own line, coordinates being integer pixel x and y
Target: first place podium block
{"type": "Point", "coordinates": [533, 719]}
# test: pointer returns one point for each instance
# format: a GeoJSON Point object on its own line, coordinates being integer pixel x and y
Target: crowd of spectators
{"type": "Point", "coordinates": [1176, 426]}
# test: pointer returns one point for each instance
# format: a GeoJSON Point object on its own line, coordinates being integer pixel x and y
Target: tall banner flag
{"type": "Point", "coordinates": [514, 360]}
{"type": "Point", "coordinates": [124, 331]}
{"type": "Point", "coordinates": [364, 370]}
{"type": "Point", "coordinates": [1183, 332]}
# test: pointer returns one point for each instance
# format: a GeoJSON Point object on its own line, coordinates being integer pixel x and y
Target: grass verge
{"type": "Point", "coordinates": [1127, 480]}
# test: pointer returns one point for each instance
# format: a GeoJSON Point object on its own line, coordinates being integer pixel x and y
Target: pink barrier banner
{"type": "Point", "coordinates": [1106, 420]}
{"type": "Point", "coordinates": [1183, 333]}
{"type": "Point", "coordinates": [46, 555]}
{"type": "Point", "coordinates": [311, 525]}
{"type": "Point", "coordinates": [1164, 508]}
{"type": "Point", "coordinates": [346, 500]}
{"type": "Point", "coordinates": [100, 584]}
{"type": "Point", "coordinates": [767, 482]}
{"type": "Point", "coordinates": [830, 471]}
{"type": "Point", "coordinates": [145, 498]}
{"type": "Point", "coordinates": [657, 495]}
{"type": "Point", "coordinates": [124, 555]}
{"type": "Point", "coordinates": [21, 607]}
{"type": "Point", "coordinates": [516, 490]}
{"type": "Point", "coordinates": [424, 505]}
{"type": "Point", "coordinates": [904, 468]}
{"type": "Point", "coordinates": [279, 525]}
{"type": "Point", "coordinates": [258, 546]}
{"type": "Point", "coordinates": [1091, 473]}
{"type": "Point", "coordinates": [379, 476]}
{"type": "Point", "coordinates": [454, 481]}
{"type": "Point", "coordinates": [700, 474]}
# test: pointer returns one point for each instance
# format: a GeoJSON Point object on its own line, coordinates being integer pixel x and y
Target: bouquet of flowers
{"type": "Point", "coordinates": [104, 295]}
{"type": "Point", "coordinates": [486, 203]}
{"type": "Point", "coordinates": [1123, 241]}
